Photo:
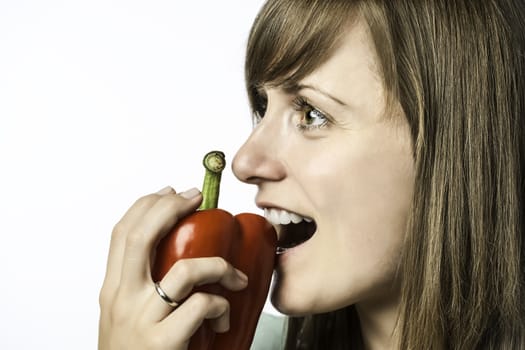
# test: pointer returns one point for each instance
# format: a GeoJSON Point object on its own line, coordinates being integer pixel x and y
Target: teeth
{"type": "Point", "coordinates": [283, 217]}
{"type": "Point", "coordinates": [296, 218]}
{"type": "Point", "coordinates": [280, 250]}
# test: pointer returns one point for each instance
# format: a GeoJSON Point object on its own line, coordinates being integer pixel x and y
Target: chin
{"type": "Point", "coordinates": [288, 309]}
{"type": "Point", "coordinates": [297, 302]}
{"type": "Point", "coordinates": [287, 303]}
{"type": "Point", "coordinates": [295, 308]}
{"type": "Point", "coordinates": [292, 303]}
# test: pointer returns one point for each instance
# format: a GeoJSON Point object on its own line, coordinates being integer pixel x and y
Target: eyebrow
{"type": "Point", "coordinates": [298, 87]}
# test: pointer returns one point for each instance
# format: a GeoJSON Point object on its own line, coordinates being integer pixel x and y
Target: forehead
{"type": "Point", "coordinates": [352, 63]}
{"type": "Point", "coordinates": [289, 42]}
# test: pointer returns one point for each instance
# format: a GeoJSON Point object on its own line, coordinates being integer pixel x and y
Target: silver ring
{"type": "Point", "coordinates": [164, 296]}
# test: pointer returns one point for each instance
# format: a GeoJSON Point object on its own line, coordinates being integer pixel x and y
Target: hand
{"type": "Point", "coordinates": [133, 315]}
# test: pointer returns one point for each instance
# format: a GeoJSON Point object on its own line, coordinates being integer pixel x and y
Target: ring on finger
{"type": "Point", "coordinates": [164, 296]}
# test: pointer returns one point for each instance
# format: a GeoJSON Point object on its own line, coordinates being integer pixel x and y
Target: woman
{"type": "Point", "coordinates": [395, 128]}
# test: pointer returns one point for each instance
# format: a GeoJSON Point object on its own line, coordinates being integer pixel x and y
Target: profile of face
{"type": "Point", "coordinates": [330, 152]}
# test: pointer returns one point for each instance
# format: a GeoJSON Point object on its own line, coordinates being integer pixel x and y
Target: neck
{"type": "Point", "coordinates": [378, 319]}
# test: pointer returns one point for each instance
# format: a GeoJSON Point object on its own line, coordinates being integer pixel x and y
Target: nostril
{"type": "Point", "coordinates": [253, 180]}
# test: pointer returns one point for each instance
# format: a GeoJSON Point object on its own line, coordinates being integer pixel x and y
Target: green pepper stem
{"type": "Point", "coordinates": [214, 162]}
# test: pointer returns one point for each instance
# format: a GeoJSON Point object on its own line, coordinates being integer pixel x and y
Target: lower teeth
{"type": "Point", "coordinates": [280, 250]}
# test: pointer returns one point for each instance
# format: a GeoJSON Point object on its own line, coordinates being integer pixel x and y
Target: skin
{"type": "Point", "coordinates": [354, 177]}
{"type": "Point", "coordinates": [132, 315]}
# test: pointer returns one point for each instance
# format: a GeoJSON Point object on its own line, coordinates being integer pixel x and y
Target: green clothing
{"type": "Point", "coordinates": [270, 333]}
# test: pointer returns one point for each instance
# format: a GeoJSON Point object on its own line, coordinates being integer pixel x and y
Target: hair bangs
{"type": "Point", "coordinates": [290, 39]}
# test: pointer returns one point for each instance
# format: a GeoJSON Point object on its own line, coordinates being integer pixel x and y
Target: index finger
{"type": "Point", "coordinates": [161, 217]}
{"type": "Point", "coordinates": [119, 236]}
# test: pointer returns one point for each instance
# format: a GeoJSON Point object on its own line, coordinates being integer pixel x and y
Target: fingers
{"type": "Point", "coordinates": [119, 236]}
{"type": "Point", "coordinates": [181, 324]}
{"type": "Point", "coordinates": [133, 315]}
{"type": "Point", "coordinates": [154, 223]}
{"type": "Point", "coordinates": [185, 274]}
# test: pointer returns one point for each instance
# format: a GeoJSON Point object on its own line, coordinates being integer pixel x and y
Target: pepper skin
{"type": "Point", "coordinates": [248, 242]}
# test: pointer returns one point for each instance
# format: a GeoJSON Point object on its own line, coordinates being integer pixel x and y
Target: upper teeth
{"type": "Point", "coordinates": [283, 217]}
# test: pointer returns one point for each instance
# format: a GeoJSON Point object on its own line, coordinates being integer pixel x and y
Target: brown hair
{"type": "Point", "coordinates": [457, 69]}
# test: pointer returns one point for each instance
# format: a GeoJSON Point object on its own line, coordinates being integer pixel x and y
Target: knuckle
{"type": "Point", "coordinates": [119, 230]}
{"type": "Point", "coordinates": [183, 270]}
{"type": "Point", "coordinates": [223, 306]}
{"type": "Point", "coordinates": [171, 204]}
{"type": "Point", "coordinates": [135, 238]}
{"type": "Point", "coordinates": [222, 265]}
{"type": "Point", "coordinates": [201, 301]}
{"type": "Point", "coordinates": [104, 299]}
{"type": "Point", "coordinates": [146, 200]}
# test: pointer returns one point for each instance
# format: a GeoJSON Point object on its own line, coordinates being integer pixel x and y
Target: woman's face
{"type": "Point", "coordinates": [326, 151]}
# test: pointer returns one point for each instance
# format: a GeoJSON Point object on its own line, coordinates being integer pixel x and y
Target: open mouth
{"type": "Point", "coordinates": [293, 229]}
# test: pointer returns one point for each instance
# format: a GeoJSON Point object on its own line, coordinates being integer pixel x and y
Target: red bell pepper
{"type": "Point", "coordinates": [246, 240]}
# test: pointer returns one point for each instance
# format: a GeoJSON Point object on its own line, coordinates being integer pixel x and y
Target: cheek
{"type": "Point", "coordinates": [360, 188]}
{"type": "Point", "coordinates": [367, 215]}
{"type": "Point", "coordinates": [362, 177]}
{"type": "Point", "coordinates": [365, 200]}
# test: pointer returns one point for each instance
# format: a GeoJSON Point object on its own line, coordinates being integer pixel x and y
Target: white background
{"type": "Point", "coordinates": [101, 102]}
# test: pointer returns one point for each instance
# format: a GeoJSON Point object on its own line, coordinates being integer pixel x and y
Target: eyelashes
{"type": "Point", "coordinates": [260, 104]}
{"type": "Point", "coordinates": [308, 117]}
{"type": "Point", "coordinates": [311, 117]}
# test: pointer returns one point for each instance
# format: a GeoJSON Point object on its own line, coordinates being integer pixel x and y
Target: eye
{"type": "Point", "coordinates": [311, 117]}
{"type": "Point", "coordinates": [260, 103]}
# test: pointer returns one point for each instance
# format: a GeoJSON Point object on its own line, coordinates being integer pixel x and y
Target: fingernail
{"type": "Point", "coordinates": [165, 190]}
{"type": "Point", "coordinates": [191, 193]}
{"type": "Point", "coordinates": [241, 275]}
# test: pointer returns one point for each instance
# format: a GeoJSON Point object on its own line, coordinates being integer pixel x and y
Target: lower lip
{"type": "Point", "coordinates": [285, 253]}
{"type": "Point", "coordinates": [282, 257]}
{"type": "Point", "coordinates": [281, 251]}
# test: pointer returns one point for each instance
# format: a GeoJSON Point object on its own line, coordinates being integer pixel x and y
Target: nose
{"type": "Point", "coordinates": [258, 160]}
